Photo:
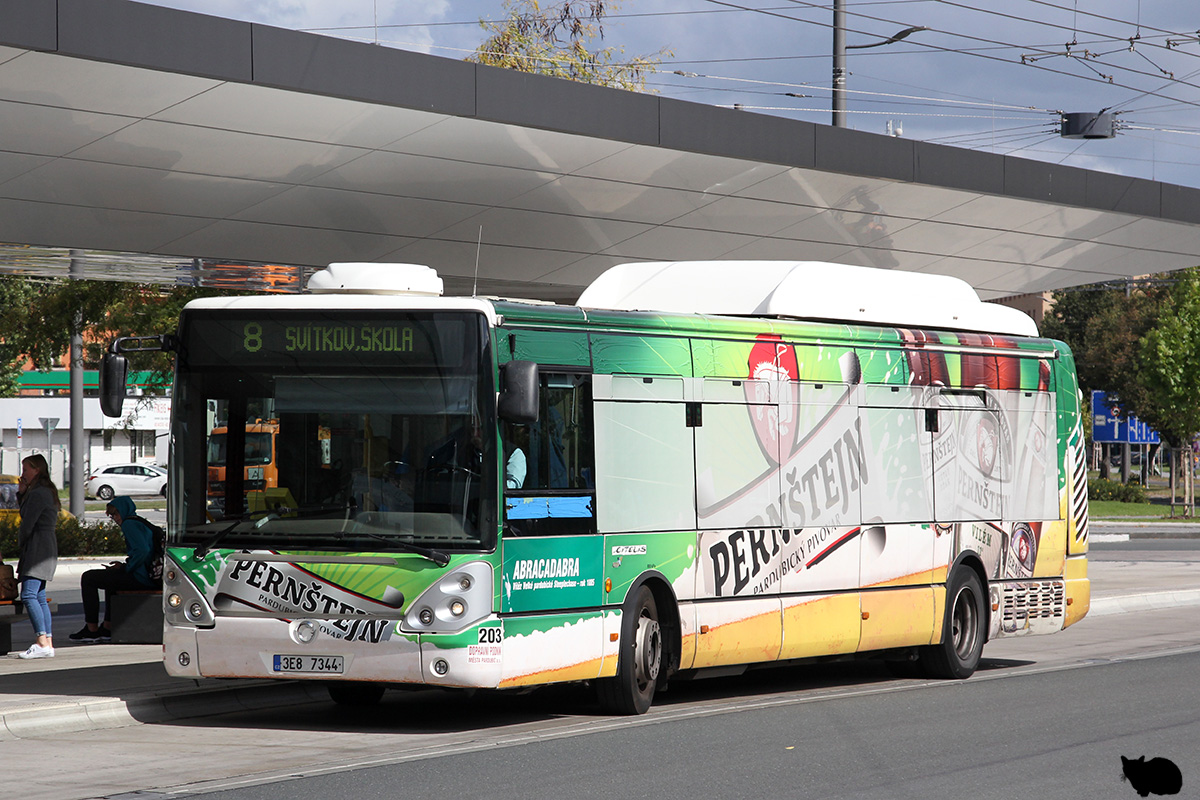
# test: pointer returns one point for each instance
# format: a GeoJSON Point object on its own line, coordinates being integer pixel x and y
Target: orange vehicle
{"type": "Point", "coordinates": [261, 467]}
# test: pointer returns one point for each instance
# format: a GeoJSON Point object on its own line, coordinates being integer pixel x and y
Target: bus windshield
{"type": "Point", "coordinates": [334, 430]}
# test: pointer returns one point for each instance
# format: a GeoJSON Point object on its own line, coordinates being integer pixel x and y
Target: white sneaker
{"type": "Point", "coordinates": [37, 651]}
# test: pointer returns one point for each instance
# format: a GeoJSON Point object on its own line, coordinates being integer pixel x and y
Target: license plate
{"type": "Point", "coordinates": [327, 665]}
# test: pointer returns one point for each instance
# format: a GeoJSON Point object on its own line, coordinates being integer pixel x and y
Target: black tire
{"type": "Point", "coordinates": [105, 493]}
{"type": "Point", "coordinates": [963, 632]}
{"type": "Point", "coordinates": [163, 491]}
{"type": "Point", "coordinates": [355, 694]}
{"type": "Point", "coordinates": [641, 659]}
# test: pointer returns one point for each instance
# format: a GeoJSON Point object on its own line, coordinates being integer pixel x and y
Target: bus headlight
{"type": "Point", "coordinates": [462, 597]}
{"type": "Point", "coordinates": [185, 604]}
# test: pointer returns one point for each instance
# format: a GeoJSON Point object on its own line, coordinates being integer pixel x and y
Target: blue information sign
{"type": "Point", "coordinates": [1109, 426]}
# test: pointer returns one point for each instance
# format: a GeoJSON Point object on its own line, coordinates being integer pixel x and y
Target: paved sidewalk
{"type": "Point", "coordinates": [96, 686]}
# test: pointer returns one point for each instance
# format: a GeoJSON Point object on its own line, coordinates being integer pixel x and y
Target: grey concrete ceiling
{"type": "Point", "coordinates": [133, 128]}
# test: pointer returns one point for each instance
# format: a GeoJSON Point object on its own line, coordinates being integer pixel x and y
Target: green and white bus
{"type": "Point", "coordinates": [701, 466]}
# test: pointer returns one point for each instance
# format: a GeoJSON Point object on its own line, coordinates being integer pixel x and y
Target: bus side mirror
{"type": "Point", "coordinates": [518, 392]}
{"type": "Point", "coordinates": [113, 369]}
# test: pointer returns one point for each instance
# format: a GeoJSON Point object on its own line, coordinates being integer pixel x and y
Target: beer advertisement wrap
{"type": "Point", "coordinates": [1020, 550]}
{"type": "Point", "coordinates": [988, 540]}
{"type": "Point", "coordinates": [292, 591]}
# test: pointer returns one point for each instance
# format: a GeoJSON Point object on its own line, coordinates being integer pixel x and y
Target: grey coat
{"type": "Point", "coordinates": [36, 539]}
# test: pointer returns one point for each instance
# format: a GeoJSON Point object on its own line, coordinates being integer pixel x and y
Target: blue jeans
{"type": "Point", "coordinates": [33, 595]}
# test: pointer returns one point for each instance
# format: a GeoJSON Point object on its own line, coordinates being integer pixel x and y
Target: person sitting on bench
{"type": "Point", "coordinates": [130, 575]}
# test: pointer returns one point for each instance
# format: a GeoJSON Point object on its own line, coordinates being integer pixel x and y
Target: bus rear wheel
{"type": "Point", "coordinates": [965, 628]}
{"type": "Point", "coordinates": [640, 662]}
{"type": "Point", "coordinates": [355, 694]}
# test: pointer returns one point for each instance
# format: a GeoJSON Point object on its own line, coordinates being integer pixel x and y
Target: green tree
{"type": "Point", "coordinates": [1104, 328]}
{"type": "Point", "coordinates": [14, 294]}
{"type": "Point", "coordinates": [37, 317]}
{"type": "Point", "coordinates": [1112, 341]}
{"type": "Point", "coordinates": [556, 39]}
{"type": "Point", "coordinates": [1068, 321]}
{"type": "Point", "coordinates": [1168, 368]}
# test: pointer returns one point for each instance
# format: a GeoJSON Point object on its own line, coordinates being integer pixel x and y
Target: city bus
{"type": "Point", "coordinates": [700, 468]}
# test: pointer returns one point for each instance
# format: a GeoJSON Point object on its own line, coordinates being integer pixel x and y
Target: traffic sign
{"type": "Point", "coordinates": [1108, 424]}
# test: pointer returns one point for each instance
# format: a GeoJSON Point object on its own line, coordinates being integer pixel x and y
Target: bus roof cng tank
{"type": "Point", "coordinates": [376, 278]}
{"type": "Point", "coordinates": [803, 290]}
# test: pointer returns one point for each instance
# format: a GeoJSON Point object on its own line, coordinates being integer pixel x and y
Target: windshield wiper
{"type": "Point", "coordinates": [277, 513]}
{"type": "Point", "coordinates": [436, 556]}
{"type": "Point", "coordinates": [203, 548]}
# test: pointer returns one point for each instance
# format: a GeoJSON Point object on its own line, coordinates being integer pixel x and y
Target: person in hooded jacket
{"type": "Point", "coordinates": [132, 574]}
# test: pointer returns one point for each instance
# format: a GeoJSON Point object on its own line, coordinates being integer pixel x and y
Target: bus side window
{"type": "Point", "coordinates": [549, 465]}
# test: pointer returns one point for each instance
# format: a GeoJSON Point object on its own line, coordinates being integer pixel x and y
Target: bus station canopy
{"type": "Point", "coordinates": [229, 153]}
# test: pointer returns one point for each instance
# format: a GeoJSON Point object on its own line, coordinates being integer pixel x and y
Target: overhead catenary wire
{"type": "Point", "coordinates": [807, 4]}
{"type": "Point", "coordinates": [1132, 99]}
{"type": "Point", "coordinates": [891, 95]}
{"type": "Point", "coordinates": [734, 8]}
{"type": "Point", "coordinates": [890, 53]}
{"type": "Point", "coordinates": [1021, 148]}
{"type": "Point", "coordinates": [1161, 130]}
{"type": "Point", "coordinates": [1131, 76]}
{"type": "Point", "coordinates": [1128, 40]}
{"type": "Point", "coordinates": [928, 46]}
{"type": "Point", "coordinates": [823, 110]}
{"type": "Point", "coordinates": [1138, 23]}
{"type": "Point", "coordinates": [956, 137]}
{"type": "Point", "coordinates": [925, 46]}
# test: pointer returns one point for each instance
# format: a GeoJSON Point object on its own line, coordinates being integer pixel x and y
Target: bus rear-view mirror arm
{"type": "Point", "coordinates": [518, 401]}
{"type": "Point", "coordinates": [114, 368]}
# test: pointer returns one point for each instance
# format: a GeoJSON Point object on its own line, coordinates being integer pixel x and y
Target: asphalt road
{"type": "Point", "coordinates": [1044, 717]}
{"type": "Point", "coordinates": [1051, 734]}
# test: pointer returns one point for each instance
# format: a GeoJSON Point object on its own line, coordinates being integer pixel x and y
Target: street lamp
{"type": "Point", "coordinates": [839, 58]}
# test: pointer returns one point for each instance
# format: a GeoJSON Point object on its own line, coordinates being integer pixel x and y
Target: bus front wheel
{"type": "Point", "coordinates": [965, 629]}
{"type": "Point", "coordinates": [640, 662]}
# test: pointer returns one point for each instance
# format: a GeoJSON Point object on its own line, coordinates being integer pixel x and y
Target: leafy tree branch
{"type": "Point", "coordinates": [557, 40]}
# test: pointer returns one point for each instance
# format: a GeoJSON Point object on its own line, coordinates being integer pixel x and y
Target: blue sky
{"type": "Point", "coordinates": [985, 75]}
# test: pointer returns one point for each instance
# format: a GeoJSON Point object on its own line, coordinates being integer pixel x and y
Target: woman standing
{"type": "Point", "coordinates": [39, 549]}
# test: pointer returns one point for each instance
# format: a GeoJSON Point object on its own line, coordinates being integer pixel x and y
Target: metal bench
{"type": "Point", "coordinates": [13, 612]}
{"type": "Point", "coordinates": [136, 616]}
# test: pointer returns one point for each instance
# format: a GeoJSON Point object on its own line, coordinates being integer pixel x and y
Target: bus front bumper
{"type": "Point", "coordinates": [271, 648]}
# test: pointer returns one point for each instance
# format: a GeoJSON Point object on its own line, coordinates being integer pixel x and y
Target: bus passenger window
{"type": "Point", "coordinates": [558, 448]}
{"type": "Point", "coordinates": [550, 464]}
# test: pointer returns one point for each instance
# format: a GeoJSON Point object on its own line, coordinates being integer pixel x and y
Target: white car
{"type": "Point", "coordinates": [128, 479]}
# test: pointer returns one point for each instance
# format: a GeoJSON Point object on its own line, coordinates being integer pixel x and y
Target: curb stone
{"type": "Point", "coordinates": [99, 713]}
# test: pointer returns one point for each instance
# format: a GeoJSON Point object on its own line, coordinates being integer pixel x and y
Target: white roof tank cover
{"type": "Point", "coordinates": [376, 278]}
{"type": "Point", "coordinates": [803, 290]}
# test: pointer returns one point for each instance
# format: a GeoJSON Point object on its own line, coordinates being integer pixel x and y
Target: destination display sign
{"type": "Point", "coordinates": [273, 338]}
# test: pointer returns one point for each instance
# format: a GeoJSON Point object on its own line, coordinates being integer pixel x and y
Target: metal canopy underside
{"type": "Point", "coordinates": [133, 128]}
